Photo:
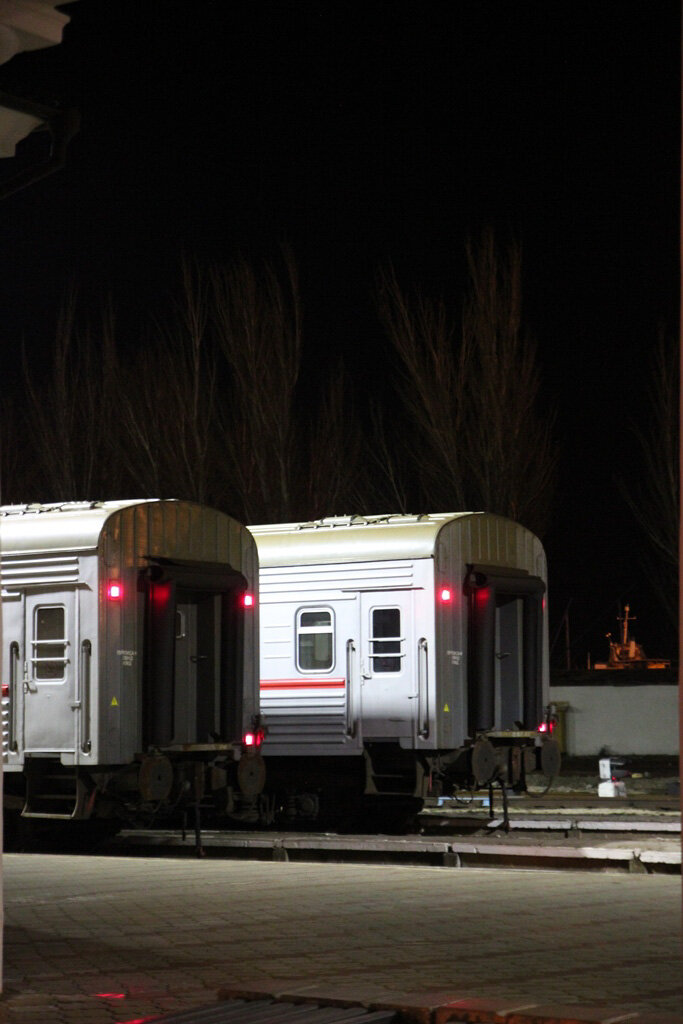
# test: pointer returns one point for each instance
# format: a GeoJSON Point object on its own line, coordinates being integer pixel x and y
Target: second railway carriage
{"type": "Point", "coordinates": [129, 675]}
{"type": "Point", "coordinates": [401, 657]}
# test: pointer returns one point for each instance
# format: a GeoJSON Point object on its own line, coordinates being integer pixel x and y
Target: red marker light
{"type": "Point", "coordinates": [114, 591]}
{"type": "Point", "coordinates": [248, 600]}
{"type": "Point", "coordinates": [546, 727]}
{"type": "Point", "coordinates": [5, 689]}
{"type": "Point", "coordinates": [254, 739]}
{"type": "Point", "coordinates": [446, 595]}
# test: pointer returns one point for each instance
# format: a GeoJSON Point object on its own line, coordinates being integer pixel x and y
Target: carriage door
{"type": "Point", "coordinates": [49, 674]}
{"type": "Point", "coordinates": [505, 642]}
{"type": "Point", "coordinates": [509, 664]}
{"type": "Point", "coordinates": [185, 690]}
{"type": "Point", "coordinates": [197, 676]}
{"type": "Point", "coordinates": [389, 686]}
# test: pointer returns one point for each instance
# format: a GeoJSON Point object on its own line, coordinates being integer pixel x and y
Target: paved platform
{"type": "Point", "coordinates": [94, 940]}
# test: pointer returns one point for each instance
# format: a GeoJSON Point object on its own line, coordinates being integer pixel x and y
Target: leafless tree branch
{"type": "Point", "coordinates": [653, 497]}
{"type": "Point", "coordinates": [472, 395]}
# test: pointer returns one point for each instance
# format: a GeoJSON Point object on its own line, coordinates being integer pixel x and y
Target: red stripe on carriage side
{"type": "Point", "coordinates": [302, 684]}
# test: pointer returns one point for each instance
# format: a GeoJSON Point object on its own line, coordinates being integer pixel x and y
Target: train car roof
{"type": "Point", "coordinates": [64, 525]}
{"type": "Point", "coordinates": [36, 540]}
{"type": "Point", "coordinates": [78, 525]}
{"type": "Point", "coordinates": [483, 537]}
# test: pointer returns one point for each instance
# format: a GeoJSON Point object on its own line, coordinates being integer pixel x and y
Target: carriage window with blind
{"type": "Point", "coordinates": [386, 640]}
{"type": "Point", "coordinates": [314, 639]}
{"type": "Point", "coordinates": [49, 643]}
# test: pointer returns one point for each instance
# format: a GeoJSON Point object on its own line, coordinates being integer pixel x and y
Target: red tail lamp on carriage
{"type": "Point", "coordinates": [254, 739]}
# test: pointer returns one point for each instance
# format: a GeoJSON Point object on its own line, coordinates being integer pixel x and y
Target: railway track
{"type": "Point", "coordinates": [552, 830]}
{"type": "Point", "coordinates": [559, 811]}
{"type": "Point", "coordinates": [557, 832]}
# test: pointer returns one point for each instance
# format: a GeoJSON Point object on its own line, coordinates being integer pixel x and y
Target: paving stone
{"type": "Point", "coordinates": [659, 1018]}
{"type": "Point", "coordinates": [171, 934]}
{"type": "Point", "coordinates": [417, 1007]}
{"type": "Point", "coordinates": [568, 1014]}
{"type": "Point", "coordinates": [482, 1010]}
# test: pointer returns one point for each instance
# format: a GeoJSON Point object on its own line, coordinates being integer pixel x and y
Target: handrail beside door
{"type": "Point", "coordinates": [350, 721]}
{"type": "Point", "coordinates": [13, 674]}
{"type": "Point", "coordinates": [86, 653]}
{"type": "Point", "coordinates": [422, 691]}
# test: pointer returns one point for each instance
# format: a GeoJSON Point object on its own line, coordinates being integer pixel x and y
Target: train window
{"type": "Point", "coordinates": [386, 640]}
{"type": "Point", "coordinates": [314, 639]}
{"type": "Point", "coordinates": [49, 643]}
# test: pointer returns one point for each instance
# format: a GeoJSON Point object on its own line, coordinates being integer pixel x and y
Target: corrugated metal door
{"type": "Point", "coordinates": [389, 687]}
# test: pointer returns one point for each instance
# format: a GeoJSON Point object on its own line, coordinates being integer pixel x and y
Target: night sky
{"type": "Point", "coordinates": [363, 133]}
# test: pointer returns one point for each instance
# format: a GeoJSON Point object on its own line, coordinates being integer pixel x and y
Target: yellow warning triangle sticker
{"type": "Point", "coordinates": [114, 702]}
{"type": "Point", "coordinates": [446, 707]}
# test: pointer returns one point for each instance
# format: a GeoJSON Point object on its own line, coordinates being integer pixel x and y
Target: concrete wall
{"type": "Point", "coordinates": [621, 719]}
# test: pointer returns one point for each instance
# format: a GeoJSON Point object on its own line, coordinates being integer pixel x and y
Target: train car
{"type": "Point", "coordinates": [401, 657]}
{"type": "Point", "coordinates": [129, 668]}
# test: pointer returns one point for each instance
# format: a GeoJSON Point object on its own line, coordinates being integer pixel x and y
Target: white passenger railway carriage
{"type": "Point", "coordinates": [128, 657]}
{"type": "Point", "coordinates": [415, 644]}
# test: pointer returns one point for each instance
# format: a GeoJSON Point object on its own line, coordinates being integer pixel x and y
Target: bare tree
{"type": "Point", "coordinates": [72, 415]}
{"type": "Point", "coordinates": [208, 408]}
{"type": "Point", "coordinates": [257, 319]}
{"type": "Point", "coordinates": [511, 457]}
{"type": "Point", "coordinates": [14, 481]}
{"type": "Point", "coordinates": [334, 477]}
{"type": "Point", "coordinates": [432, 388]}
{"type": "Point", "coordinates": [170, 402]}
{"type": "Point", "coordinates": [472, 395]}
{"type": "Point", "coordinates": [653, 496]}
{"type": "Point", "coordinates": [390, 485]}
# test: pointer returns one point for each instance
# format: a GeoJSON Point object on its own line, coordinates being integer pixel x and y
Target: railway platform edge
{"type": "Point", "coordinates": [444, 1008]}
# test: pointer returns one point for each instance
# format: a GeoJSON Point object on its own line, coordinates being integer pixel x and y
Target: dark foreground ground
{"type": "Point", "coordinates": [103, 940]}
{"type": "Point", "coordinates": [124, 940]}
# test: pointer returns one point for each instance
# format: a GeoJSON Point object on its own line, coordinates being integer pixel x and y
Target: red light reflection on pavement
{"type": "Point", "coordinates": [122, 995]}
{"type": "Point", "coordinates": [139, 1020]}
